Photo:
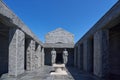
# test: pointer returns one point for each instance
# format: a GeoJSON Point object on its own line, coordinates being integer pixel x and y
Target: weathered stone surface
{"type": "Point", "coordinates": [101, 53]}
{"type": "Point", "coordinates": [58, 45]}
{"type": "Point", "coordinates": [44, 74]}
{"type": "Point", "coordinates": [78, 55]}
{"type": "Point", "coordinates": [37, 57]}
{"type": "Point", "coordinates": [88, 55]}
{"type": "Point", "coordinates": [16, 52]}
{"type": "Point", "coordinates": [30, 53]}
{"type": "Point", "coordinates": [75, 53]}
{"type": "Point", "coordinates": [42, 59]}
{"type": "Point", "coordinates": [59, 36]}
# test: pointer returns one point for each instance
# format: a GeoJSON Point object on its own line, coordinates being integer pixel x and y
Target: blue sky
{"type": "Point", "coordinates": [75, 16]}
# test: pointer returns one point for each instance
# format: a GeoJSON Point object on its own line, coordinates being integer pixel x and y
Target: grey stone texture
{"type": "Point", "coordinates": [88, 55]}
{"type": "Point", "coordinates": [75, 54]}
{"type": "Point", "coordinates": [16, 52]}
{"type": "Point", "coordinates": [78, 57]}
{"type": "Point", "coordinates": [58, 45]}
{"type": "Point", "coordinates": [30, 65]}
{"type": "Point", "coordinates": [44, 74]}
{"type": "Point", "coordinates": [59, 36]}
{"type": "Point", "coordinates": [37, 57]}
{"type": "Point", "coordinates": [101, 53]}
{"type": "Point", "coordinates": [80, 66]}
{"type": "Point", "coordinates": [43, 57]}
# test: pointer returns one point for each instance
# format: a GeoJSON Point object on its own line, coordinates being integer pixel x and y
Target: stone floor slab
{"type": "Point", "coordinates": [44, 74]}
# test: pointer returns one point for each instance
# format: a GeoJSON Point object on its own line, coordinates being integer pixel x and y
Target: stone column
{"type": "Point", "coordinates": [37, 57]}
{"type": "Point", "coordinates": [29, 54]}
{"type": "Point", "coordinates": [101, 53]}
{"type": "Point", "coordinates": [16, 52]}
{"type": "Point", "coordinates": [75, 56]}
{"type": "Point", "coordinates": [87, 56]}
{"type": "Point", "coordinates": [78, 57]}
{"type": "Point", "coordinates": [42, 58]}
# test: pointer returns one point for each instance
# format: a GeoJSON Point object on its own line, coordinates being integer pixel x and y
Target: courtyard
{"type": "Point", "coordinates": [44, 74]}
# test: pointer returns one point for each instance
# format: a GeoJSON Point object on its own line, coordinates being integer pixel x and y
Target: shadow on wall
{"type": "Point", "coordinates": [4, 40]}
{"type": "Point", "coordinates": [79, 75]}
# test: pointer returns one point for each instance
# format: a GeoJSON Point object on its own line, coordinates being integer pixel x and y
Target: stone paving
{"type": "Point", "coordinates": [44, 74]}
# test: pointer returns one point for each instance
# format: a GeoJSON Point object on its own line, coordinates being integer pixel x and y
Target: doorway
{"type": "Point", "coordinates": [59, 58]}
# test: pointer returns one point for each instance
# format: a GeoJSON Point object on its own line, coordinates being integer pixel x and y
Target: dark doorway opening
{"type": "Point", "coordinates": [4, 49]}
{"type": "Point", "coordinates": [59, 58]}
{"type": "Point", "coordinates": [114, 53]}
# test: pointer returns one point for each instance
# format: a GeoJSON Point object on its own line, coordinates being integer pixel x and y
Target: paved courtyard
{"type": "Point", "coordinates": [44, 74]}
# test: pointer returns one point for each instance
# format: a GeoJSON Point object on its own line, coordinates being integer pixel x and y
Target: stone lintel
{"type": "Point", "coordinates": [52, 45]}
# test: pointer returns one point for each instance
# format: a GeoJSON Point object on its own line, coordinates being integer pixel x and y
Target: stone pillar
{"type": "Point", "coordinates": [42, 58]}
{"type": "Point", "coordinates": [29, 54]}
{"type": "Point", "coordinates": [101, 53]}
{"type": "Point", "coordinates": [37, 57]}
{"type": "Point", "coordinates": [78, 57]}
{"type": "Point", "coordinates": [75, 53]}
{"type": "Point", "coordinates": [87, 56]}
{"type": "Point", "coordinates": [16, 52]}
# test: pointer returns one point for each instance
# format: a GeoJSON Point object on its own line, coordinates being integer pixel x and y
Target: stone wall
{"type": "Point", "coordinates": [59, 36]}
{"type": "Point", "coordinates": [14, 44]}
{"type": "Point", "coordinates": [100, 47]}
{"type": "Point", "coordinates": [114, 56]}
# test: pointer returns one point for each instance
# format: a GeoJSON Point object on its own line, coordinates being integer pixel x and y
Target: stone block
{"type": "Point", "coordinates": [88, 56]}
{"type": "Point", "coordinates": [43, 56]}
{"type": "Point", "coordinates": [75, 56]}
{"type": "Point", "coordinates": [16, 52]}
{"type": "Point", "coordinates": [30, 51]}
{"type": "Point", "coordinates": [101, 53]}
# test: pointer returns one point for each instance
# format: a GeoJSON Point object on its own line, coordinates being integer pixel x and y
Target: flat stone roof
{"type": "Point", "coordinates": [53, 45]}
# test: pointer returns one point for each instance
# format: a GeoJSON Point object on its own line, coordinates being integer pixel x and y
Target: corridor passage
{"type": "Point", "coordinates": [44, 74]}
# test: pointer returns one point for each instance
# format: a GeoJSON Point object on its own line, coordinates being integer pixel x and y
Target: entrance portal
{"type": "Point", "coordinates": [59, 58]}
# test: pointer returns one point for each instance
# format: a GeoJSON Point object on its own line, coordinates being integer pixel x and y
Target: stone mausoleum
{"type": "Point", "coordinates": [95, 56]}
{"type": "Point", "coordinates": [59, 40]}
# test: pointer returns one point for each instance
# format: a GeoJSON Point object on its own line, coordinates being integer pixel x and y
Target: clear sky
{"type": "Point", "coordinates": [75, 16]}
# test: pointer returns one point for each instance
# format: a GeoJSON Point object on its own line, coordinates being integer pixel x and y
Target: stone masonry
{"type": "Point", "coordinates": [96, 53]}
{"type": "Point", "coordinates": [16, 52]}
